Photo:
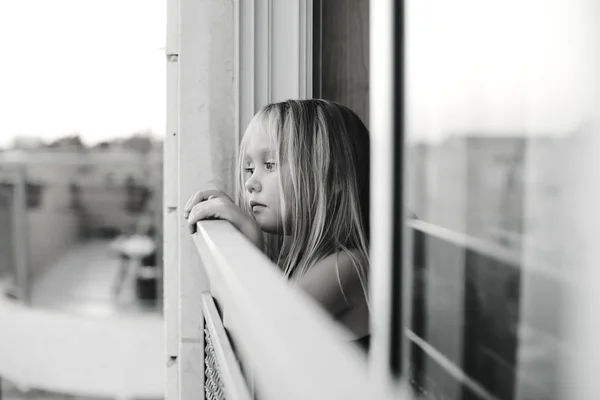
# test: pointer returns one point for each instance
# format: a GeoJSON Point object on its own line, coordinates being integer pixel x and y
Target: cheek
{"type": "Point", "coordinates": [271, 188]}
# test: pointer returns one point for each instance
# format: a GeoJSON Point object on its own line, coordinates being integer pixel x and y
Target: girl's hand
{"type": "Point", "coordinates": [215, 204]}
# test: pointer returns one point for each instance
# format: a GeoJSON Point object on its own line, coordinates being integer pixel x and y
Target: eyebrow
{"type": "Point", "coordinates": [264, 153]}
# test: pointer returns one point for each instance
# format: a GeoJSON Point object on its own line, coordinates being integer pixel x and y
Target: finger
{"type": "Point", "coordinates": [190, 203]}
{"type": "Point", "coordinates": [199, 197]}
{"type": "Point", "coordinates": [199, 212]}
{"type": "Point", "coordinates": [192, 219]}
{"type": "Point", "coordinates": [187, 204]}
{"type": "Point", "coordinates": [196, 198]}
{"type": "Point", "coordinates": [214, 208]}
{"type": "Point", "coordinates": [196, 214]}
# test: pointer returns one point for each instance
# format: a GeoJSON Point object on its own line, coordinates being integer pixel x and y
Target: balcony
{"type": "Point", "coordinates": [493, 295]}
{"type": "Point", "coordinates": [282, 339]}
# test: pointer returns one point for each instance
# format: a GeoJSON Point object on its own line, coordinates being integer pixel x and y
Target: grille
{"type": "Point", "coordinates": [213, 385]}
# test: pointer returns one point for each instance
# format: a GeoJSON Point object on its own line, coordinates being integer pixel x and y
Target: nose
{"type": "Point", "coordinates": [253, 184]}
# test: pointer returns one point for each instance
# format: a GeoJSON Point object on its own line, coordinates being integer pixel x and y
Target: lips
{"type": "Point", "coordinates": [256, 204]}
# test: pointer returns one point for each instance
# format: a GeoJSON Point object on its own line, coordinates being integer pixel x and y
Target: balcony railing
{"type": "Point", "coordinates": [287, 346]}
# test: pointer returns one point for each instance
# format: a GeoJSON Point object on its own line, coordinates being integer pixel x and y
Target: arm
{"type": "Point", "coordinates": [335, 287]}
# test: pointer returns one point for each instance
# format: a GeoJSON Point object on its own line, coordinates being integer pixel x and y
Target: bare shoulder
{"type": "Point", "coordinates": [348, 262]}
{"type": "Point", "coordinates": [334, 281]}
{"type": "Point", "coordinates": [342, 265]}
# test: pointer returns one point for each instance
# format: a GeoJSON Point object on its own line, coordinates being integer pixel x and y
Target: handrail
{"type": "Point", "coordinates": [295, 349]}
{"type": "Point", "coordinates": [509, 257]}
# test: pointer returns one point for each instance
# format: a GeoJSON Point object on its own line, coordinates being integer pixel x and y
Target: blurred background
{"type": "Point", "coordinates": [82, 115]}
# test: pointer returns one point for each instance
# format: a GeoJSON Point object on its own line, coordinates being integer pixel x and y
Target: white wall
{"type": "Point", "coordinates": [51, 234]}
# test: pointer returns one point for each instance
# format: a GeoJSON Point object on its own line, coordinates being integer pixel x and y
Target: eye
{"type": "Point", "coordinates": [270, 166]}
{"type": "Point", "coordinates": [249, 170]}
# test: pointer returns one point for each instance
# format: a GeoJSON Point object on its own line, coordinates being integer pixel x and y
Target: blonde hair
{"type": "Point", "coordinates": [323, 154]}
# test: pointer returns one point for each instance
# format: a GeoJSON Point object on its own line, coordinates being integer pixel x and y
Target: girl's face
{"type": "Point", "coordinates": [261, 177]}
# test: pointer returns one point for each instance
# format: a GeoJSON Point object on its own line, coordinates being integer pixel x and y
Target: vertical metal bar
{"type": "Point", "coordinates": [305, 49]}
{"type": "Point", "coordinates": [396, 314]}
{"type": "Point", "coordinates": [381, 111]}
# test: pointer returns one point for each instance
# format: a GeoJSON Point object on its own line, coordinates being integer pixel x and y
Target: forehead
{"type": "Point", "coordinates": [258, 137]}
{"type": "Point", "coordinates": [258, 143]}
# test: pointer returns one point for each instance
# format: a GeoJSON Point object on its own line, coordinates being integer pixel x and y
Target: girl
{"type": "Point", "coordinates": [304, 175]}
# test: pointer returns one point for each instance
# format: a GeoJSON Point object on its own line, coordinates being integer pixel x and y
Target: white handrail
{"type": "Point", "coordinates": [295, 349]}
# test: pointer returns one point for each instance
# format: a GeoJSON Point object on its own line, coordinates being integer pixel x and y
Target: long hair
{"type": "Point", "coordinates": [323, 158]}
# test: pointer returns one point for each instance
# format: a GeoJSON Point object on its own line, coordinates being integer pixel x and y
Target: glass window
{"type": "Point", "coordinates": [500, 101]}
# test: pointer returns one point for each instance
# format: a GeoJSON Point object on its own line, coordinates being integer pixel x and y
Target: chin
{"type": "Point", "coordinates": [271, 228]}
{"type": "Point", "coordinates": [268, 223]}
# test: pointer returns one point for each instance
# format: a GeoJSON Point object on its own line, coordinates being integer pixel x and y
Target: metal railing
{"type": "Point", "coordinates": [487, 321]}
{"type": "Point", "coordinates": [293, 348]}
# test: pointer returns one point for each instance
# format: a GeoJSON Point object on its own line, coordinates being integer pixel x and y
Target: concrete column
{"type": "Point", "coordinates": [207, 145]}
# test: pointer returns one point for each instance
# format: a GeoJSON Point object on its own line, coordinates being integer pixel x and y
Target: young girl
{"type": "Point", "coordinates": [304, 175]}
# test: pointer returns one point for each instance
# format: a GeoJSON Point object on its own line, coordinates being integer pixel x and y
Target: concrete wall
{"type": "Point", "coordinates": [53, 229]}
{"type": "Point", "coordinates": [54, 225]}
{"type": "Point", "coordinates": [6, 247]}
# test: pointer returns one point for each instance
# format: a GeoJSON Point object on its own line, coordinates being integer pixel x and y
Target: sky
{"type": "Point", "coordinates": [93, 67]}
